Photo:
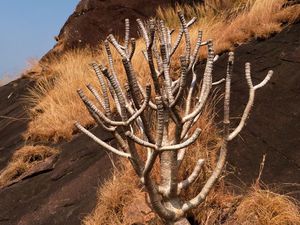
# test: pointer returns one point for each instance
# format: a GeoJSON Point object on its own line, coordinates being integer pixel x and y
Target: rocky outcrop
{"type": "Point", "coordinates": [93, 20]}
{"type": "Point", "coordinates": [274, 124]}
{"type": "Point", "coordinates": [65, 193]}
{"type": "Point", "coordinates": [13, 117]}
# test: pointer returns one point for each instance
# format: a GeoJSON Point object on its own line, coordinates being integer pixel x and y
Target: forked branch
{"type": "Point", "coordinates": [169, 136]}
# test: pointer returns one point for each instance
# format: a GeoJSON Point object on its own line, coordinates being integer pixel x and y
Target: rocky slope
{"type": "Point", "coordinates": [66, 193]}
{"type": "Point", "coordinates": [93, 20]}
{"type": "Point", "coordinates": [274, 124]}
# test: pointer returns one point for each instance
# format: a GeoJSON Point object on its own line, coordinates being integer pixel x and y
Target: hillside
{"type": "Point", "coordinates": [65, 190]}
{"type": "Point", "coordinates": [92, 21]}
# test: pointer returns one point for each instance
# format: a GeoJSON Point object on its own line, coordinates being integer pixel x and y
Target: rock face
{"type": "Point", "coordinates": [274, 124]}
{"type": "Point", "coordinates": [13, 120]}
{"type": "Point", "coordinates": [66, 193]}
{"type": "Point", "coordinates": [93, 20]}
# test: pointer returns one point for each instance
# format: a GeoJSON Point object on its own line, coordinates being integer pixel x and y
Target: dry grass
{"type": "Point", "coordinates": [265, 207]}
{"type": "Point", "coordinates": [258, 207]}
{"type": "Point", "coordinates": [56, 104]}
{"type": "Point", "coordinates": [119, 192]}
{"type": "Point", "coordinates": [233, 22]}
{"type": "Point", "coordinates": [211, 9]}
{"type": "Point", "coordinates": [228, 23]}
{"type": "Point", "coordinates": [113, 196]}
{"type": "Point", "coordinates": [24, 159]}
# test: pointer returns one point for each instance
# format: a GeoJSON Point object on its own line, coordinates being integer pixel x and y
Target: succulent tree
{"type": "Point", "coordinates": [172, 107]}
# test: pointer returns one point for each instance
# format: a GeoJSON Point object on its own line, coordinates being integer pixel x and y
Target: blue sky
{"type": "Point", "coordinates": [27, 30]}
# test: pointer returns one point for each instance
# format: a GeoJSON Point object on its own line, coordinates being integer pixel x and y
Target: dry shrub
{"type": "Point", "coordinates": [220, 200]}
{"type": "Point", "coordinates": [228, 22]}
{"type": "Point", "coordinates": [265, 207]}
{"type": "Point", "coordinates": [222, 206]}
{"type": "Point", "coordinates": [118, 192]}
{"type": "Point", "coordinates": [24, 159]}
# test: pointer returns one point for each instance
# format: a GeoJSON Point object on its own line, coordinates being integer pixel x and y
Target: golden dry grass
{"type": "Point", "coordinates": [233, 22]}
{"type": "Point", "coordinates": [265, 207]}
{"type": "Point", "coordinates": [113, 196]}
{"type": "Point", "coordinates": [56, 103]}
{"type": "Point", "coordinates": [57, 106]}
{"type": "Point", "coordinates": [223, 206]}
{"type": "Point", "coordinates": [119, 191]}
{"type": "Point", "coordinates": [24, 159]}
{"type": "Point", "coordinates": [230, 22]}
{"type": "Point", "coordinates": [258, 207]}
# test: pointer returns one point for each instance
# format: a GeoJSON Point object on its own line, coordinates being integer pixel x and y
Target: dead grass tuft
{"type": "Point", "coordinates": [265, 207]}
{"type": "Point", "coordinates": [56, 105]}
{"type": "Point", "coordinates": [113, 196]}
{"type": "Point", "coordinates": [24, 159]}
